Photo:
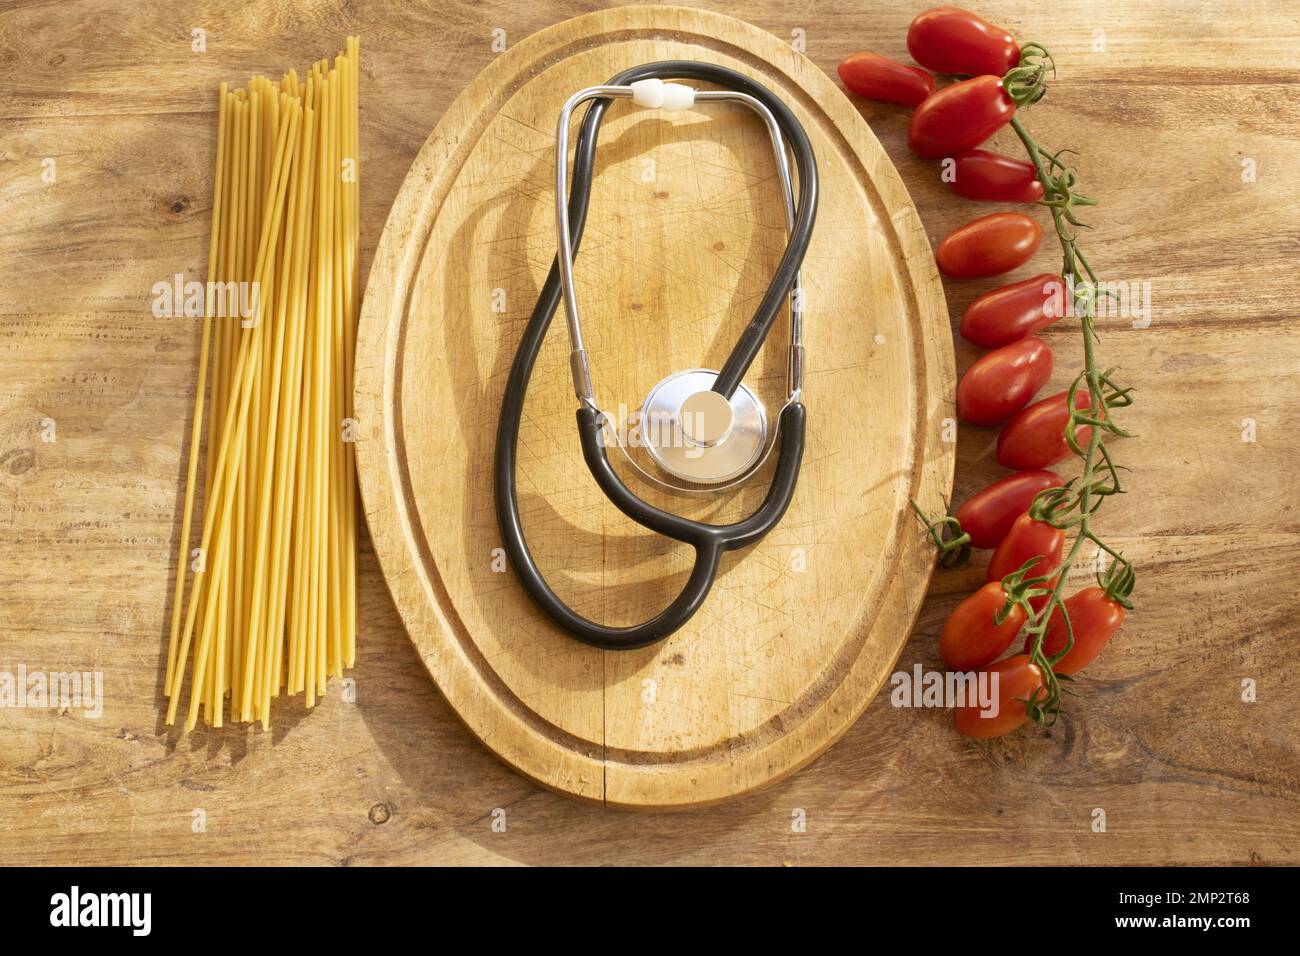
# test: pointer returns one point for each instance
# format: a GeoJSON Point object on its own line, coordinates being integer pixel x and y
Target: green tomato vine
{"type": "Point", "coordinates": [1072, 507]}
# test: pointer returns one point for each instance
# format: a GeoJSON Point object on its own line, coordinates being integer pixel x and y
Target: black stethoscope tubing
{"type": "Point", "coordinates": [709, 541]}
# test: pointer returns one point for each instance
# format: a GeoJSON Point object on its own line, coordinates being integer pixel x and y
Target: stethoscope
{"type": "Point", "coordinates": [702, 427]}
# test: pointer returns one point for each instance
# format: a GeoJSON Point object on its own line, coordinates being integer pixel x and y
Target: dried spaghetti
{"type": "Point", "coordinates": [271, 603]}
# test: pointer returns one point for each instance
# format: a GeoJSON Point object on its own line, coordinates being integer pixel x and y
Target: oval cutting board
{"type": "Point", "coordinates": [684, 231]}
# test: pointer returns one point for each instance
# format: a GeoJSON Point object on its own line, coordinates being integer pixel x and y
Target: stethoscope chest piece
{"type": "Point", "coordinates": [698, 435]}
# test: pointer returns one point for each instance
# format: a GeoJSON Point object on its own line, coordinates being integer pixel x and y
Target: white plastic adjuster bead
{"type": "Point", "coordinates": [648, 93]}
{"type": "Point", "coordinates": [678, 97]}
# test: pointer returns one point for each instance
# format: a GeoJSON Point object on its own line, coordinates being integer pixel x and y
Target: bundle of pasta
{"type": "Point", "coordinates": [271, 604]}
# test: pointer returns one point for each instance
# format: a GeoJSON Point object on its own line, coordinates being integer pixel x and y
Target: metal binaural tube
{"type": "Point", "coordinates": [579, 366]}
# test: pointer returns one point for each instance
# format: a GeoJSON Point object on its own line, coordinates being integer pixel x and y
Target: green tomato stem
{"type": "Point", "coordinates": [1059, 200]}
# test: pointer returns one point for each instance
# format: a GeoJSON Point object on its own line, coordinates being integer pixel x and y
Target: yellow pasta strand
{"type": "Point", "coordinates": [353, 292]}
{"type": "Point", "coordinates": [214, 239]}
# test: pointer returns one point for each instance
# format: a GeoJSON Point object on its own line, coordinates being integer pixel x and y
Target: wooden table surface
{"type": "Point", "coordinates": [1172, 106]}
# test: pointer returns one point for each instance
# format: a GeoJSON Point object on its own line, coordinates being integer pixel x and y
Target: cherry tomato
{"type": "Point", "coordinates": [1018, 679]}
{"type": "Point", "coordinates": [987, 516]}
{"type": "Point", "coordinates": [880, 78]}
{"type": "Point", "coordinates": [950, 40]}
{"type": "Point", "coordinates": [1027, 539]}
{"type": "Point", "coordinates": [989, 246]}
{"type": "Point", "coordinates": [1012, 312]}
{"type": "Point", "coordinates": [992, 177]}
{"type": "Point", "coordinates": [1003, 381]}
{"type": "Point", "coordinates": [970, 640]}
{"type": "Point", "coordinates": [1035, 438]}
{"type": "Point", "coordinates": [1093, 617]}
{"type": "Point", "coordinates": [959, 117]}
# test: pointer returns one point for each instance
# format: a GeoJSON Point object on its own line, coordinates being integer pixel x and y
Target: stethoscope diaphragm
{"type": "Point", "coordinates": [699, 435]}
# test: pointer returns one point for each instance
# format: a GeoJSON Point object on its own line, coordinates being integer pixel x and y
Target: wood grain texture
{"type": "Point", "coordinates": [800, 631]}
{"type": "Point", "coordinates": [1159, 736]}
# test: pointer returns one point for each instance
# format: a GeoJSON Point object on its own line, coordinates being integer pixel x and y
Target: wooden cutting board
{"type": "Point", "coordinates": [684, 231]}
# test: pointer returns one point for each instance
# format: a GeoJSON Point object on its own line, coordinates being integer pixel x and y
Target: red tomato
{"type": "Point", "coordinates": [1003, 381]}
{"type": "Point", "coordinates": [959, 117]}
{"type": "Point", "coordinates": [1027, 539]}
{"type": "Point", "coordinates": [1035, 438]}
{"type": "Point", "coordinates": [1012, 312]}
{"type": "Point", "coordinates": [880, 78]}
{"type": "Point", "coordinates": [992, 177]}
{"type": "Point", "coordinates": [1018, 679]}
{"type": "Point", "coordinates": [989, 246]}
{"type": "Point", "coordinates": [949, 40]}
{"type": "Point", "coordinates": [1093, 617]}
{"type": "Point", "coordinates": [970, 640]}
{"type": "Point", "coordinates": [987, 516]}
